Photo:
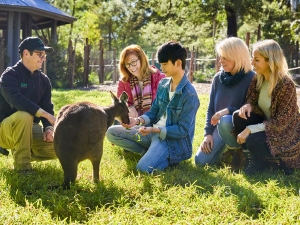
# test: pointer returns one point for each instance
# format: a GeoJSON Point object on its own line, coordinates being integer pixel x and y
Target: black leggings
{"type": "Point", "coordinates": [256, 143]}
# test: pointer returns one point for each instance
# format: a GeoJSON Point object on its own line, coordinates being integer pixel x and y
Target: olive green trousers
{"type": "Point", "coordinates": [25, 139]}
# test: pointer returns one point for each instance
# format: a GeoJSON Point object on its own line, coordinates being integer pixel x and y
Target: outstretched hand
{"type": "Point", "coordinates": [132, 122]}
{"type": "Point", "coordinates": [132, 112]}
{"type": "Point", "coordinates": [145, 130]}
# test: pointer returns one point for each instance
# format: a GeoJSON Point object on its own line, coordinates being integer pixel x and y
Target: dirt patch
{"type": "Point", "coordinates": [201, 88]}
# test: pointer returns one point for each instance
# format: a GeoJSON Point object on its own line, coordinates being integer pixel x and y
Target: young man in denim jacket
{"type": "Point", "coordinates": [167, 129]}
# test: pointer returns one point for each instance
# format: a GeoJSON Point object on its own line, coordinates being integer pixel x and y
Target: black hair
{"type": "Point", "coordinates": [31, 53]}
{"type": "Point", "coordinates": [172, 51]}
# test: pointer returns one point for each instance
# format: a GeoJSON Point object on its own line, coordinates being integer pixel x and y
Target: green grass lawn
{"type": "Point", "coordinates": [182, 195]}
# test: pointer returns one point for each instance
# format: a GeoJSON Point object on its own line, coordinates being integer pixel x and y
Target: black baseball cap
{"type": "Point", "coordinates": [33, 43]}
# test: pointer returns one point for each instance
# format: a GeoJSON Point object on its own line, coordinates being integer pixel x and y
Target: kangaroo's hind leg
{"type": "Point", "coordinates": [96, 169]}
{"type": "Point", "coordinates": [96, 163]}
{"type": "Point", "coordinates": [70, 167]}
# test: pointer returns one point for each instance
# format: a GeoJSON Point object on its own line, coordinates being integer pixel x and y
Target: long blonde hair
{"type": "Point", "coordinates": [236, 50]}
{"type": "Point", "coordinates": [278, 67]}
{"type": "Point", "coordinates": [145, 69]}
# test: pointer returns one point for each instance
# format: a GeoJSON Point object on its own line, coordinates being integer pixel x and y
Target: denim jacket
{"type": "Point", "coordinates": [181, 115]}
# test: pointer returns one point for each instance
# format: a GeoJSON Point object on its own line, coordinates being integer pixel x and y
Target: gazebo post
{"type": "Point", "coordinates": [53, 30]}
{"type": "Point", "coordinates": [16, 37]}
{"type": "Point", "coordinates": [10, 35]}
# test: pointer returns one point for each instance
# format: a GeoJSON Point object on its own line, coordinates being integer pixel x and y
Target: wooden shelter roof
{"type": "Point", "coordinates": [42, 13]}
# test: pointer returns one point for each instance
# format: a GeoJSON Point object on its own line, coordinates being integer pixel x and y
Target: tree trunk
{"type": "Point", "coordinates": [70, 65]}
{"type": "Point", "coordinates": [297, 57]}
{"type": "Point", "coordinates": [71, 54]}
{"type": "Point", "coordinates": [86, 60]}
{"type": "Point", "coordinates": [231, 21]}
{"type": "Point", "coordinates": [101, 63]}
{"type": "Point", "coordinates": [191, 70]}
{"type": "Point", "coordinates": [114, 66]}
{"type": "Point", "coordinates": [109, 35]}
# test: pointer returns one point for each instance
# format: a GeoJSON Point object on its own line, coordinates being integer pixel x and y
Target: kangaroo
{"type": "Point", "coordinates": [79, 133]}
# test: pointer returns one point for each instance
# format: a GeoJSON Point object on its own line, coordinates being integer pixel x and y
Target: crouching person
{"type": "Point", "coordinates": [268, 126]}
{"type": "Point", "coordinates": [25, 100]}
{"type": "Point", "coordinates": [167, 129]}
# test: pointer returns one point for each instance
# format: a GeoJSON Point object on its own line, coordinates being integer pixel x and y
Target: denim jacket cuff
{"type": "Point", "coordinates": [146, 119]}
{"type": "Point", "coordinates": [163, 133]}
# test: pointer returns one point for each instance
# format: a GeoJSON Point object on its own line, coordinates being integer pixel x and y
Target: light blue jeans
{"type": "Point", "coordinates": [222, 136]}
{"type": "Point", "coordinates": [155, 153]}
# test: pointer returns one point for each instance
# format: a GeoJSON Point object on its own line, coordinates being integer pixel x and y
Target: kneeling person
{"type": "Point", "coordinates": [167, 130]}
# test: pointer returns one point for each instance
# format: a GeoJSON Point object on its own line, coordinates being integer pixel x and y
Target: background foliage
{"type": "Point", "coordinates": [197, 24]}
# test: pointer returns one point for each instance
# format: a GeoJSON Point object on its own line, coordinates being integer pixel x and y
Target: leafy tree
{"type": "Point", "coordinates": [86, 26]}
{"type": "Point", "coordinates": [197, 24]}
{"type": "Point", "coordinates": [200, 11]}
{"type": "Point", "coordinates": [110, 14]}
{"type": "Point", "coordinates": [277, 25]}
{"type": "Point", "coordinates": [120, 22]}
{"type": "Point", "coordinates": [184, 21]}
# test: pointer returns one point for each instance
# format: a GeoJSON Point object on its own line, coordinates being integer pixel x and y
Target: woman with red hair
{"type": "Point", "coordinates": [138, 79]}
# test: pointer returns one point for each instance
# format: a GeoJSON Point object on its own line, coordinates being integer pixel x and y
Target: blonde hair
{"type": "Point", "coordinates": [136, 50]}
{"type": "Point", "coordinates": [278, 67]}
{"type": "Point", "coordinates": [236, 50]}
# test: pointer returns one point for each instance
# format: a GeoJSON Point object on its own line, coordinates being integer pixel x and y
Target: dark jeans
{"type": "Point", "coordinates": [255, 143]}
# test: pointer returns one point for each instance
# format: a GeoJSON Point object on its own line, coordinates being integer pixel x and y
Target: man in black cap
{"type": "Point", "coordinates": [25, 100]}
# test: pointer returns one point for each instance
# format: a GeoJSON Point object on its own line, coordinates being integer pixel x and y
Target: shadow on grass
{"type": "Point", "coordinates": [130, 158]}
{"type": "Point", "coordinates": [86, 198]}
{"type": "Point", "coordinates": [207, 178]}
{"type": "Point", "coordinates": [76, 203]}
{"type": "Point", "coordinates": [237, 184]}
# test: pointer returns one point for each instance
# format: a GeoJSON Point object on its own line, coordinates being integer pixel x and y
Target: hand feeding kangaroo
{"type": "Point", "coordinates": [79, 133]}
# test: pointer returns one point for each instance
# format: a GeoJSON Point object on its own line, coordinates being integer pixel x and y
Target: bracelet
{"type": "Point", "coordinates": [139, 121]}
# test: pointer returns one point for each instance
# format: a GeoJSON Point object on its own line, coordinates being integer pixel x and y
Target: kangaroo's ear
{"type": "Point", "coordinates": [114, 98]}
{"type": "Point", "coordinates": [124, 97]}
